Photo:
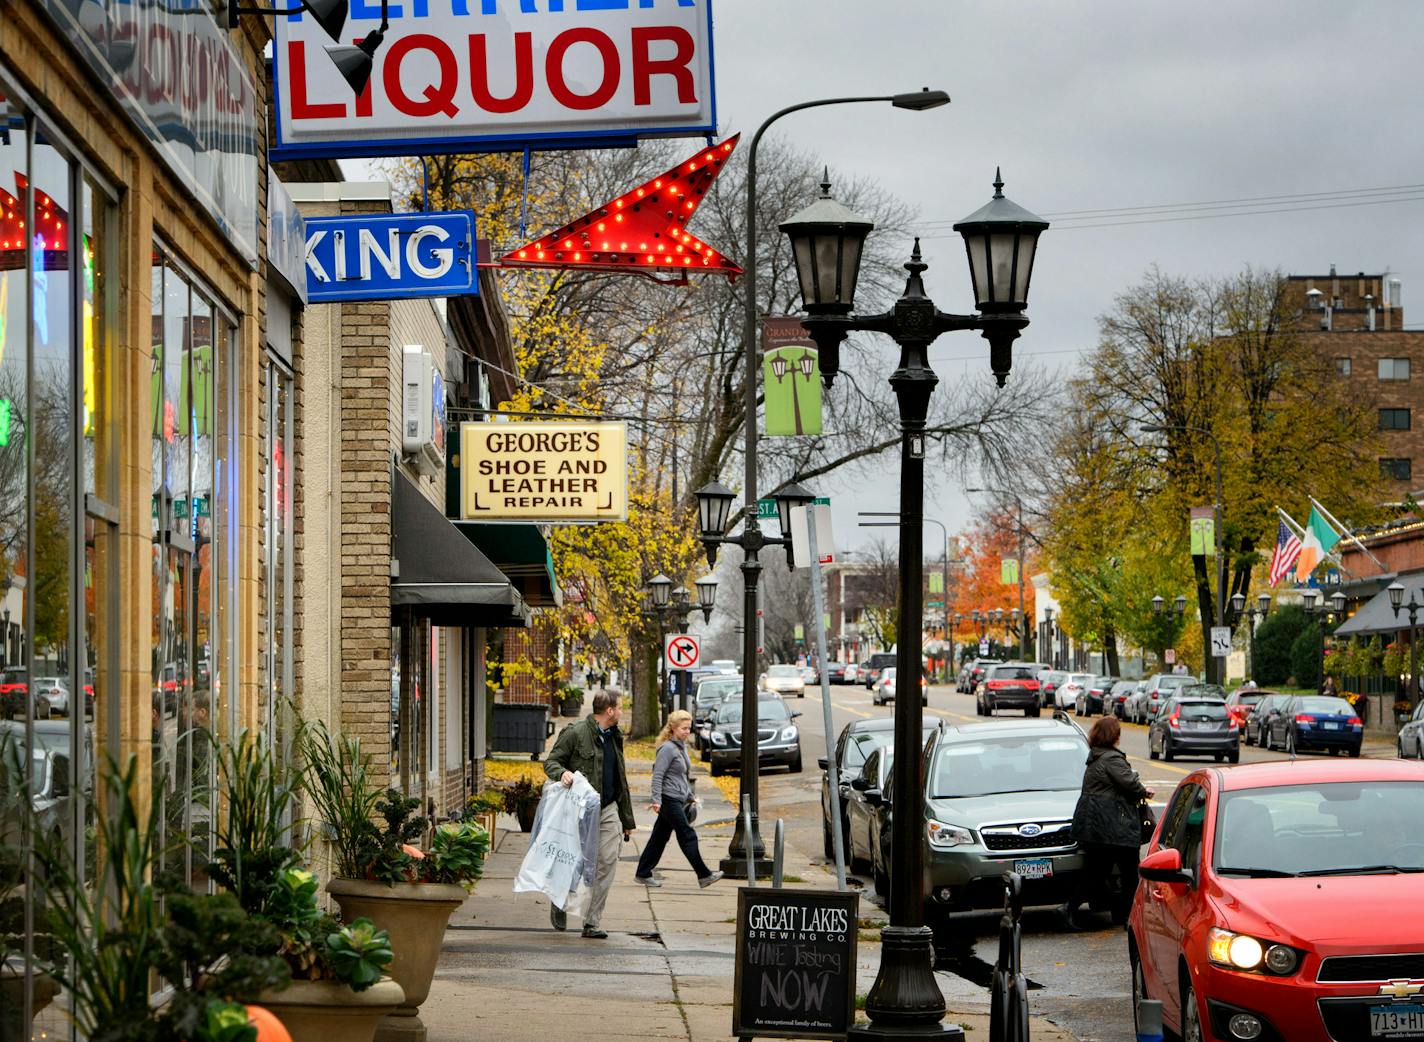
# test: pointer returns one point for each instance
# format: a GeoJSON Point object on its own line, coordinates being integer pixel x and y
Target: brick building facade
{"type": "Point", "coordinates": [1356, 323]}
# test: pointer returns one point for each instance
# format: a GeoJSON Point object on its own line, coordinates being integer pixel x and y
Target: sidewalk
{"type": "Point", "coordinates": [665, 971]}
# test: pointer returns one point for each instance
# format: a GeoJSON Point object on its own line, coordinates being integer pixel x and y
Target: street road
{"type": "Point", "coordinates": [1080, 981]}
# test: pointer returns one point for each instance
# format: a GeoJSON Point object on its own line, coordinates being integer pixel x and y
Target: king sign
{"type": "Point", "coordinates": [389, 256]}
{"type": "Point", "coordinates": [486, 75]}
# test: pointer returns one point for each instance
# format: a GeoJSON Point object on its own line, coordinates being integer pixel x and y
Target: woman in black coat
{"type": "Point", "coordinates": [1106, 823]}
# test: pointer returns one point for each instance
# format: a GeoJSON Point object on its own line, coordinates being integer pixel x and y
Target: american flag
{"type": "Point", "coordinates": [1287, 550]}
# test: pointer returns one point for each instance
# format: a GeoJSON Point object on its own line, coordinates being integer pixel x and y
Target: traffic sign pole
{"type": "Point", "coordinates": [818, 610]}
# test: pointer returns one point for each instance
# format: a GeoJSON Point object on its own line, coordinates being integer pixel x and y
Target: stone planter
{"type": "Point", "coordinates": [489, 819]}
{"type": "Point", "coordinates": [12, 993]}
{"type": "Point", "coordinates": [321, 1011]}
{"type": "Point", "coordinates": [526, 813]}
{"type": "Point", "coordinates": [414, 914]}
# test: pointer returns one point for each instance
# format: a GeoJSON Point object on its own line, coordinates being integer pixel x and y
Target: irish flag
{"type": "Point", "coordinates": [1319, 538]}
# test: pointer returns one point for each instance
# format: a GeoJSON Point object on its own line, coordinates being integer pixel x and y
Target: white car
{"type": "Point", "coordinates": [725, 666]}
{"type": "Point", "coordinates": [55, 691]}
{"type": "Point", "coordinates": [1066, 697]}
{"type": "Point", "coordinates": [784, 681]}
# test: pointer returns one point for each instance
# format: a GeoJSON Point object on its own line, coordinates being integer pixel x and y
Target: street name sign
{"type": "Point", "coordinates": [453, 76]}
{"type": "Point", "coordinates": [543, 471]}
{"type": "Point", "coordinates": [391, 256]}
{"type": "Point", "coordinates": [682, 651]}
{"type": "Point", "coordinates": [795, 964]}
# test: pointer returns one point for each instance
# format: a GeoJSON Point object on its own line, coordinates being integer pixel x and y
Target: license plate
{"type": "Point", "coordinates": [1034, 868]}
{"type": "Point", "coordinates": [1331, 727]}
{"type": "Point", "coordinates": [1399, 1021]}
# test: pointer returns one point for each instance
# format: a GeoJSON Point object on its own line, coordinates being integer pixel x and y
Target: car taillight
{"type": "Point", "coordinates": [1355, 721]}
{"type": "Point", "coordinates": [1305, 718]}
{"type": "Point", "coordinates": [1173, 721]}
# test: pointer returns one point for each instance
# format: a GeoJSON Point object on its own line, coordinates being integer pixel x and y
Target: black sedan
{"type": "Point", "coordinates": [1193, 726]}
{"type": "Point", "coordinates": [1314, 722]}
{"type": "Point", "coordinates": [1090, 700]}
{"type": "Point", "coordinates": [778, 739]}
{"type": "Point", "coordinates": [1253, 731]}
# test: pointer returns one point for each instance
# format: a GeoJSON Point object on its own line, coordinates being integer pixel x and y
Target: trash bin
{"type": "Point", "coordinates": [520, 728]}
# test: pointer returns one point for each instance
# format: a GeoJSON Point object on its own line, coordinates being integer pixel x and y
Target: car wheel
{"type": "Point", "coordinates": [1167, 753]}
{"type": "Point", "coordinates": [1139, 985]}
{"type": "Point", "coordinates": [988, 707]}
{"type": "Point", "coordinates": [1220, 757]}
{"type": "Point", "coordinates": [1151, 749]}
{"type": "Point", "coordinates": [715, 769]}
{"type": "Point", "coordinates": [828, 845]}
{"type": "Point", "coordinates": [1234, 756]}
{"type": "Point", "coordinates": [1290, 742]}
{"type": "Point", "coordinates": [795, 764]}
{"type": "Point", "coordinates": [1355, 753]}
{"type": "Point", "coordinates": [1191, 1015]}
{"type": "Point", "coordinates": [42, 710]}
{"type": "Point", "coordinates": [1032, 712]}
{"type": "Point", "coordinates": [882, 883]}
{"type": "Point", "coordinates": [1248, 738]}
{"type": "Point", "coordinates": [1399, 748]}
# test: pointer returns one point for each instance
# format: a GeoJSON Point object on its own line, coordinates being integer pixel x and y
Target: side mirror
{"type": "Point", "coordinates": [1165, 866]}
{"type": "Point", "coordinates": [795, 713]}
{"type": "Point", "coordinates": [59, 776]}
{"type": "Point", "coordinates": [874, 797]}
{"type": "Point", "coordinates": [823, 763]}
{"type": "Point", "coordinates": [861, 784]}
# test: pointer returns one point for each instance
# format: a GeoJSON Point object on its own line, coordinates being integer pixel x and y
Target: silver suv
{"type": "Point", "coordinates": [999, 798]}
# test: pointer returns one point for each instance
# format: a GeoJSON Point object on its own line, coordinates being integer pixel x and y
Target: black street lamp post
{"type": "Point", "coordinates": [1176, 611]}
{"type": "Point", "coordinates": [1239, 610]}
{"type": "Point", "coordinates": [826, 240]}
{"type": "Point", "coordinates": [1396, 601]}
{"type": "Point", "coordinates": [1049, 638]}
{"type": "Point", "coordinates": [1336, 613]}
{"type": "Point", "coordinates": [717, 497]}
{"type": "Point", "coordinates": [666, 606]}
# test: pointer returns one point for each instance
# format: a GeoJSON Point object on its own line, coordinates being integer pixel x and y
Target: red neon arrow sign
{"type": "Point", "coordinates": [644, 230]}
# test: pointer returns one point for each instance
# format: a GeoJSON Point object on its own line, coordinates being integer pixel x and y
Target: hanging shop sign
{"type": "Point", "coordinates": [791, 378]}
{"type": "Point", "coordinates": [388, 256]}
{"type": "Point", "coordinates": [544, 471]}
{"type": "Point", "coordinates": [497, 75]}
{"type": "Point", "coordinates": [286, 237]}
{"type": "Point", "coordinates": [178, 78]}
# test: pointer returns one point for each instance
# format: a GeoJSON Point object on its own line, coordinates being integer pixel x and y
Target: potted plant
{"type": "Point", "coordinates": [382, 873]}
{"type": "Point", "coordinates": [338, 985]}
{"type": "Point", "coordinates": [484, 807]}
{"type": "Point", "coordinates": [1402, 710]}
{"type": "Point", "coordinates": [522, 800]}
{"type": "Point", "coordinates": [571, 701]}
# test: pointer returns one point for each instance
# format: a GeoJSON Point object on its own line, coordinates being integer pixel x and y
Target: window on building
{"type": "Point", "coordinates": [1342, 366]}
{"type": "Point", "coordinates": [1394, 369]}
{"type": "Point", "coordinates": [1396, 469]}
{"type": "Point", "coordinates": [1394, 419]}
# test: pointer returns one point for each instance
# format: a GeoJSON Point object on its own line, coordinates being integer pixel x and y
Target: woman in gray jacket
{"type": "Point", "coordinates": [672, 791]}
{"type": "Point", "coordinates": [1106, 824]}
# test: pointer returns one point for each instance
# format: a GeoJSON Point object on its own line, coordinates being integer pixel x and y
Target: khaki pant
{"type": "Point", "coordinates": [610, 842]}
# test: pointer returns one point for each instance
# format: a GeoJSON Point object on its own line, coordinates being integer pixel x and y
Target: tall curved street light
{"type": "Point", "coordinates": [751, 539]}
{"type": "Point", "coordinates": [1001, 239]}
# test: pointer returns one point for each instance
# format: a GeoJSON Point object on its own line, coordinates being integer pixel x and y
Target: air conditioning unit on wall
{"type": "Point", "coordinates": [422, 411]}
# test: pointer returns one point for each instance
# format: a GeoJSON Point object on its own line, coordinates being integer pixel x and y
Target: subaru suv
{"type": "Point", "coordinates": [999, 798]}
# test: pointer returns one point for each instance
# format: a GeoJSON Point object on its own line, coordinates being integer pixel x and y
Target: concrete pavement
{"type": "Point", "coordinates": [665, 971]}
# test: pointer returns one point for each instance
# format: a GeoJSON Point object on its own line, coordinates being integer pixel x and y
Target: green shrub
{"type": "Point", "coordinates": [1305, 658]}
{"type": "Point", "coordinates": [1274, 638]}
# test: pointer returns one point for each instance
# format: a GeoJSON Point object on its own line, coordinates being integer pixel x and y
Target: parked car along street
{"type": "Point", "coordinates": [1271, 900]}
{"type": "Point", "coordinates": [884, 690]}
{"type": "Point", "coordinates": [1143, 706]}
{"type": "Point", "coordinates": [1411, 736]}
{"type": "Point", "coordinates": [1113, 700]}
{"type": "Point", "coordinates": [1065, 695]}
{"type": "Point", "coordinates": [973, 672]}
{"type": "Point", "coordinates": [54, 691]}
{"type": "Point", "coordinates": [778, 738]}
{"type": "Point", "coordinates": [1188, 725]}
{"type": "Point", "coordinates": [1240, 701]}
{"type": "Point", "coordinates": [1090, 700]}
{"type": "Point", "coordinates": [857, 741]}
{"type": "Point", "coordinates": [1306, 722]}
{"type": "Point", "coordinates": [1256, 717]}
{"type": "Point", "coordinates": [710, 693]}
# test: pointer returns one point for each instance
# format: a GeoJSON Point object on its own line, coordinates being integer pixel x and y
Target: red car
{"type": "Point", "coordinates": [1279, 902]}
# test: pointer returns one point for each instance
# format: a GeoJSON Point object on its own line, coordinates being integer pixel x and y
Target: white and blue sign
{"type": "Point", "coordinates": [391, 256]}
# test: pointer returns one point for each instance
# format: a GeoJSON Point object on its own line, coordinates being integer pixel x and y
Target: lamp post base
{"type": "Point", "coordinates": [905, 1001]}
{"type": "Point", "coordinates": [736, 868]}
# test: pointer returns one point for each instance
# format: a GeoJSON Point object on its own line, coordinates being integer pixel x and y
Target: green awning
{"type": "Point", "coordinates": [521, 551]}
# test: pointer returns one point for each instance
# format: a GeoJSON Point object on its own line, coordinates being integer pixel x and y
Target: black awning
{"type": "Point", "coordinates": [520, 551]}
{"type": "Point", "coordinates": [1377, 615]}
{"type": "Point", "coordinates": [440, 575]}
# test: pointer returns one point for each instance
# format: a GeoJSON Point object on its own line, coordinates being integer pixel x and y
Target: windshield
{"type": "Point", "coordinates": [1013, 673]}
{"type": "Point", "coordinates": [783, 671]}
{"type": "Point", "coordinates": [1202, 710]}
{"type": "Point", "coordinates": [769, 711]}
{"type": "Point", "coordinates": [1081, 678]}
{"type": "Point", "coordinates": [1248, 699]}
{"type": "Point", "coordinates": [1326, 706]}
{"type": "Point", "coordinates": [1008, 765]}
{"type": "Point", "coordinates": [1322, 828]}
{"type": "Point", "coordinates": [1172, 683]}
{"type": "Point", "coordinates": [710, 692]}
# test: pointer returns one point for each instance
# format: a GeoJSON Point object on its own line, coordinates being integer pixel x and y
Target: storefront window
{"type": "Point", "coordinates": [57, 470]}
{"type": "Point", "coordinates": [277, 563]}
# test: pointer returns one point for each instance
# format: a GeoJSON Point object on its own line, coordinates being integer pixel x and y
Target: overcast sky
{"type": "Point", "coordinates": [1101, 104]}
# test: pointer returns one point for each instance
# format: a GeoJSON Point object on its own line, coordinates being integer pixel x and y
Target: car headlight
{"type": "Point", "coordinates": [789, 734]}
{"type": "Point", "coordinates": [1240, 951]}
{"type": "Point", "coordinates": [718, 738]}
{"type": "Point", "coordinates": [945, 836]}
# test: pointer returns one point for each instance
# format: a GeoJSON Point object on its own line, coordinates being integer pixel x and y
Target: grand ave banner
{"type": "Point", "coordinates": [544, 471]}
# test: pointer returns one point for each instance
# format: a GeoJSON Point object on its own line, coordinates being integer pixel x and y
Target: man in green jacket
{"type": "Point", "coordinates": [594, 748]}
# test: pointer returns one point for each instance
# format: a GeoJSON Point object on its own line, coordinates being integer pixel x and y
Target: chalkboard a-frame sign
{"type": "Point", "coordinates": [795, 970]}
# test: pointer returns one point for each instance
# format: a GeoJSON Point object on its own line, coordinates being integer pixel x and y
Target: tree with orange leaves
{"type": "Point", "coordinates": [978, 585]}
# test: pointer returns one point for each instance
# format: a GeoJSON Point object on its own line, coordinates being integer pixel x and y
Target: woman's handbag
{"type": "Point", "coordinates": [1147, 821]}
{"type": "Point", "coordinates": [690, 805]}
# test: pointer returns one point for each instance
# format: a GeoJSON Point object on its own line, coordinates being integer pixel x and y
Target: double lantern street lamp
{"type": "Point", "coordinates": [1396, 602]}
{"type": "Point", "coordinates": [827, 242]}
{"type": "Point", "coordinates": [1336, 613]}
{"type": "Point", "coordinates": [1260, 611]}
{"type": "Point", "coordinates": [1177, 609]}
{"type": "Point", "coordinates": [672, 607]}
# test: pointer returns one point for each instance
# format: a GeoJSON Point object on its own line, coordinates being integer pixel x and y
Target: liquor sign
{"type": "Point", "coordinates": [498, 75]}
{"type": "Point", "coordinates": [796, 963]}
{"type": "Point", "coordinates": [389, 256]}
{"type": "Point", "coordinates": [543, 471]}
{"type": "Point", "coordinates": [178, 78]}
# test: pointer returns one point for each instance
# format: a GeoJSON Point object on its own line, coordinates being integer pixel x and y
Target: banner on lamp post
{"type": "Point", "coordinates": [1009, 571]}
{"type": "Point", "coordinates": [1203, 529]}
{"type": "Point", "coordinates": [791, 379]}
{"type": "Point", "coordinates": [936, 582]}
